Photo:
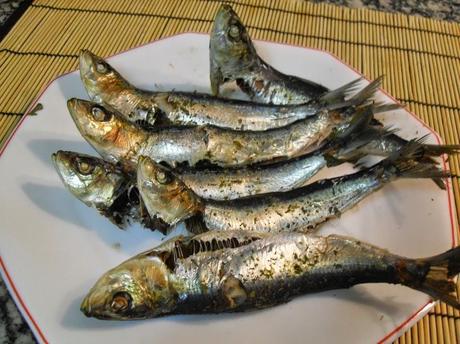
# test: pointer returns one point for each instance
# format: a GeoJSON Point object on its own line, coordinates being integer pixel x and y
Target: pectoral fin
{"type": "Point", "coordinates": [234, 292]}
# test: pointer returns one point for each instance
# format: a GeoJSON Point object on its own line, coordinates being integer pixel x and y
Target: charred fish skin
{"type": "Point", "coordinates": [108, 88]}
{"type": "Point", "coordinates": [243, 273]}
{"type": "Point", "coordinates": [233, 57]}
{"type": "Point", "coordinates": [302, 208]}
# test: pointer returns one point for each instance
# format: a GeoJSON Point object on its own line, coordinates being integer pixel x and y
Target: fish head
{"type": "Point", "coordinates": [231, 50]}
{"type": "Point", "coordinates": [110, 135]}
{"type": "Point", "coordinates": [90, 179]}
{"type": "Point", "coordinates": [101, 80]}
{"type": "Point", "coordinates": [139, 288]}
{"type": "Point", "coordinates": [165, 196]}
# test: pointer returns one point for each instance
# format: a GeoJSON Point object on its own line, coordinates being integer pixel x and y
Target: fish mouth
{"type": "Point", "coordinates": [60, 162]}
{"type": "Point", "coordinates": [63, 166]}
{"type": "Point", "coordinates": [221, 19]}
{"type": "Point", "coordinates": [92, 312]}
{"type": "Point", "coordinates": [225, 11]}
{"type": "Point", "coordinates": [87, 62]}
{"type": "Point", "coordinates": [80, 111]}
{"type": "Point", "coordinates": [85, 307]}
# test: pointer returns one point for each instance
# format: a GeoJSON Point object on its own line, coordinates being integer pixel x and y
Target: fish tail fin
{"type": "Point", "coordinates": [383, 107]}
{"type": "Point", "coordinates": [436, 150]}
{"type": "Point", "coordinates": [338, 95]}
{"type": "Point", "coordinates": [363, 97]}
{"type": "Point", "coordinates": [437, 281]}
{"type": "Point", "coordinates": [360, 119]}
{"type": "Point", "coordinates": [408, 163]}
{"type": "Point", "coordinates": [347, 149]}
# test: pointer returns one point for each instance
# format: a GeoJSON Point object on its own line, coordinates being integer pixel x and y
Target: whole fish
{"type": "Point", "coordinates": [108, 88]}
{"type": "Point", "coordinates": [116, 139]}
{"type": "Point", "coordinates": [234, 58]}
{"type": "Point", "coordinates": [105, 187]}
{"type": "Point", "coordinates": [238, 271]}
{"type": "Point", "coordinates": [168, 198]}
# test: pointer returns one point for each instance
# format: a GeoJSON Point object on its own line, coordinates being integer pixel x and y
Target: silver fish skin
{"type": "Point", "coordinates": [108, 88]}
{"type": "Point", "coordinates": [305, 207]}
{"type": "Point", "coordinates": [237, 272]}
{"type": "Point", "coordinates": [237, 183]}
{"type": "Point", "coordinates": [234, 58]}
{"type": "Point", "coordinates": [118, 140]}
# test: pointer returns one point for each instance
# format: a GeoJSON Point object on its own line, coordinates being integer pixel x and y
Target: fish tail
{"type": "Point", "coordinates": [382, 107]}
{"type": "Point", "coordinates": [436, 150]}
{"type": "Point", "coordinates": [358, 138]}
{"type": "Point", "coordinates": [360, 120]}
{"type": "Point", "coordinates": [437, 278]}
{"type": "Point", "coordinates": [363, 97]}
{"type": "Point", "coordinates": [338, 95]}
{"type": "Point", "coordinates": [408, 162]}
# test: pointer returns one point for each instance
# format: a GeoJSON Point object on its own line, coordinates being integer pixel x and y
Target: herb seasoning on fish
{"type": "Point", "coordinates": [227, 272]}
{"type": "Point", "coordinates": [306, 207]}
{"type": "Point", "coordinates": [108, 88]}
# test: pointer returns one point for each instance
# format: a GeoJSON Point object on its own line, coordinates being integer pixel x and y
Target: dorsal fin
{"type": "Point", "coordinates": [181, 247]}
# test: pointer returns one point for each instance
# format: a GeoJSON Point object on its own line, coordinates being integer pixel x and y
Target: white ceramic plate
{"type": "Point", "coordinates": [53, 248]}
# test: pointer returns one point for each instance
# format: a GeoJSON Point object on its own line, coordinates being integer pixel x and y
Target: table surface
{"type": "Point", "coordinates": [13, 328]}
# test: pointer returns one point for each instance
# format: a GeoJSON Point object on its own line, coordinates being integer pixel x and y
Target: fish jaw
{"type": "Point", "coordinates": [164, 195]}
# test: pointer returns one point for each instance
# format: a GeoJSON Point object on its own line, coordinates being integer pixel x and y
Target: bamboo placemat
{"type": "Point", "coordinates": [420, 58]}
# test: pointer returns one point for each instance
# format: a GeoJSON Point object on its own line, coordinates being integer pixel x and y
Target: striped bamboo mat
{"type": "Point", "coordinates": [420, 58]}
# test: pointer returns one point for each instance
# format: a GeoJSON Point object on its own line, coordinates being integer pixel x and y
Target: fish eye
{"type": "Point", "coordinates": [102, 67]}
{"type": "Point", "coordinates": [234, 31]}
{"type": "Point", "coordinates": [121, 301]}
{"type": "Point", "coordinates": [162, 177]}
{"type": "Point", "coordinates": [84, 167]}
{"type": "Point", "coordinates": [100, 115]}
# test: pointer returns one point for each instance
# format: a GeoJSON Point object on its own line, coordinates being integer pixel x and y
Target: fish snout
{"type": "Point", "coordinates": [85, 307]}
{"type": "Point", "coordinates": [86, 62]}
